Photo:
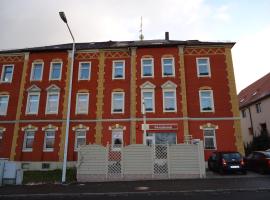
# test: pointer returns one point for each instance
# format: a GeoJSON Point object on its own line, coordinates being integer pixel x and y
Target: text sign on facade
{"type": "Point", "coordinates": [163, 127]}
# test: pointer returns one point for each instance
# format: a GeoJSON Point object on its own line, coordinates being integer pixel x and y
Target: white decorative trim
{"type": "Point", "coordinates": [29, 127]}
{"type": "Point", "coordinates": [2, 129]}
{"type": "Point", "coordinates": [169, 85]}
{"type": "Point", "coordinates": [80, 126]}
{"type": "Point", "coordinates": [49, 126]}
{"type": "Point", "coordinates": [117, 126]}
{"type": "Point", "coordinates": [147, 85]}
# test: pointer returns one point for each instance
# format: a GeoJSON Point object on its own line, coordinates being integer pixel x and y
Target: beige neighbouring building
{"type": "Point", "coordinates": [254, 104]}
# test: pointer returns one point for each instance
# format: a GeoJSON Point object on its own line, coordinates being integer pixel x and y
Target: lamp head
{"type": "Point", "coordinates": [63, 16]}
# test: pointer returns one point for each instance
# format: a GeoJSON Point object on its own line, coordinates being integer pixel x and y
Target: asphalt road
{"type": "Point", "coordinates": [231, 195]}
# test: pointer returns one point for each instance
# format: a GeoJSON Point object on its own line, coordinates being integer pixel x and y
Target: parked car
{"type": "Point", "coordinates": [258, 161]}
{"type": "Point", "coordinates": [226, 161]}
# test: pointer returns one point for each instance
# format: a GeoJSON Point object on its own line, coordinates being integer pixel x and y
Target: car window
{"type": "Point", "coordinates": [250, 156]}
{"type": "Point", "coordinates": [230, 156]}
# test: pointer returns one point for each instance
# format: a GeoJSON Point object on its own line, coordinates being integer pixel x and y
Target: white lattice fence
{"type": "Point", "coordinates": [137, 161]}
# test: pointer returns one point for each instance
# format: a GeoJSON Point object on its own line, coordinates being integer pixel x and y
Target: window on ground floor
{"type": "Point", "coordinates": [209, 138]}
{"type": "Point", "coordinates": [80, 138]}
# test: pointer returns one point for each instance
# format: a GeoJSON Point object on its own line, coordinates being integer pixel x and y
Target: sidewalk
{"type": "Point", "coordinates": [224, 183]}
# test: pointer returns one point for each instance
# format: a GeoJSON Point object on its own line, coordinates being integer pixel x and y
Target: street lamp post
{"type": "Point", "coordinates": [64, 170]}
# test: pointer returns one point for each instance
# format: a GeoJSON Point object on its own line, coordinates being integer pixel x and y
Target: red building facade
{"type": "Point", "coordinates": [185, 88]}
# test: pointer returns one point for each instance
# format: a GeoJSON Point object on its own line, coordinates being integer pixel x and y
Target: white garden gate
{"type": "Point", "coordinates": [138, 162]}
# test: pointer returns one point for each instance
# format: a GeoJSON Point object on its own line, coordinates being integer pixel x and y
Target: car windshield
{"type": "Point", "coordinates": [230, 156]}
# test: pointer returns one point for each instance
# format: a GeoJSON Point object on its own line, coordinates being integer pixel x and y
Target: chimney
{"type": "Point", "coordinates": [166, 35]}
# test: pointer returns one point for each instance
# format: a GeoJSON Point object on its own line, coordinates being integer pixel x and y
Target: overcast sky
{"type": "Point", "coordinates": [29, 23]}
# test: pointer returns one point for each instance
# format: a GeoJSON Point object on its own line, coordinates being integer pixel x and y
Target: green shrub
{"type": "Point", "coordinates": [51, 176]}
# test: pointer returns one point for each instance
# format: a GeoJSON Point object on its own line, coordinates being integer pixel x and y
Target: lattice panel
{"type": "Point", "coordinates": [117, 54]}
{"type": "Point", "coordinates": [160, 159]}
{"type": "Point", "coordinates": [11, 59]}
{"type": "Point", "coordinates": [115, 160]}
{"type": "Point", "coordinates": [87, 56]}
{"type": "Point", "coordinates": [200, 51]}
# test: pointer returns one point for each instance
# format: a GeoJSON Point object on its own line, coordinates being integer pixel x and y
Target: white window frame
{"type": "Point", "coordinates": [3, 72]}
{"type": "Point", "coordinates": [51, 70]}
{"type": "Point", "coordinates": [41, 75]}
{"type": "Point", "coordinates": [25, 139]}
{"type": "Point", "coordinates": [175, 104]}
{"type": "Point", "coordinates": [112, 103]}
{"type": "Point", "coordinates": [77, 98]}
{"type": "Point", "coordinates": [114, 67]}
{"type": "Point", "coordinates": [77, 137]}
{"type": "Point", "coordinates": [89, 73]}
{"type": "Point", "coordinates": [208, 66]}
{"type": "Point", "coordinates": [163, 65]}
{"type": "Point", "coordinates": [47, 102]}
{"type": "Point", "coordinates": [142, 76]}
{"type": "Point", "coordinates": [153, 100]}
{"type": "Point", "coordinates": [48, 137]}
{"type": "Point", "coordinates": [212, 98]}
{"type": "Point", "coordinates": [118, 132]}
{"type": "Point", "coordinates": [214, 138]}
{"type": "Point", "coordinates": [5, 112]}
{"type": "Point", "coordinates": [28, 99]}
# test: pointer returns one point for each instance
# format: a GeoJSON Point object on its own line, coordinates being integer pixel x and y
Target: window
{"type": "Point", "coordinates": [3, 104]}
{"type": "Point", "coordinates": [118, 102]}
{"type": "Point", "coordinates": [206, 101]}
{"type": "Point", "coordinates": [1, 137]}
{"type": "Point", "coordinates": [32, 103]}
{"type": "Point", "coordinates": [80, 138]}
{"type": "Point", "coordinates": [244, 113]}
{"type": "Point", "coordinates": [7, 73]}
{"type": "Point", "coordinates": [258, 108]}
{"type": "Point", "coordinates": [263, 127]}
{"type": "Point", "coordinates": [147, 67]}
{"type": "Point", "coordinates": [117, 139]}
{"type": "Point", "coordinates": [45, 166]}
{"type": "Point", "coordinates": [82, 103]}
{"type": "Point", "coordinates": [169, 101]}
{"type": "Point", "coordinates": [49, 140]}
{"type": "Point", "coordinates": [203, 67]}
{"type": "Point", "coordinates": [37, 70]}
{"type": "Point", "coordinates": [28, 140]}
{"type": "Point", "coordinates": [84, 70]}
{"type": "Point", "coordinates": [56, 71]}
{"type": "Point", "coordinates": [52, 103]}
{"type": "Point", "coordinates": [250, 130]}
{"type": "Point", "coordinates": [118, 70]}
{"type": "Point", "coordinates": [148, 99]}
{"type": "Point", "coordinates": [209, 139]}
{"type": "Point", "coordinates": [168, 67]}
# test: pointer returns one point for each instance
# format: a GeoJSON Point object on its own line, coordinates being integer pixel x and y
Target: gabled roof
{"type": "Point", "coordinates": [258, 90]}
{"type": "Point", "coordinates": [118, 44]}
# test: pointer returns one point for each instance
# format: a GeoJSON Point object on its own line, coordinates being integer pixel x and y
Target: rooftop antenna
{"type": "Point", "coordinates": [141, 34]}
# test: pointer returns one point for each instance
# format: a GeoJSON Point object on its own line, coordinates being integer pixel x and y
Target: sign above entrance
{"type": "Point", "coordinates": [163, 126]}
